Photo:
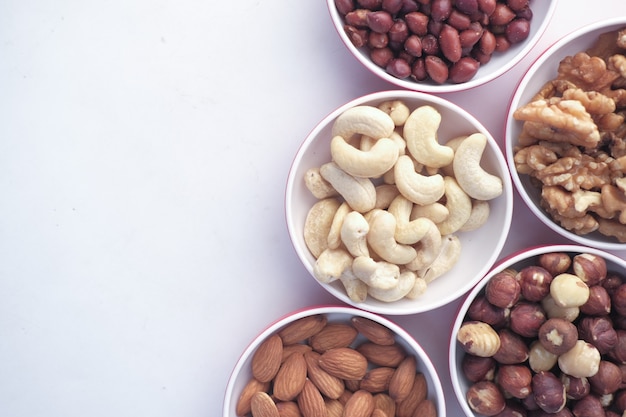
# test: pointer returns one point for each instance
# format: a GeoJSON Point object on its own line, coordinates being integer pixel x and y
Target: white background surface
{"type": "Point", "coordinates": [144, 150]}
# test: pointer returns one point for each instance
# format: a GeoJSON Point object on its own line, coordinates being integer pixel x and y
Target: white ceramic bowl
{"type": "Point", "coordinates": [515, 261]}
{"type": "Point", "coordinates": [539, 73]}
{"type": "Point", "coordinates": [481, 247]}
{"type": "Point", "coordinates": [336, 314]}
{"type": "Point", "coordinates": [499, 63]}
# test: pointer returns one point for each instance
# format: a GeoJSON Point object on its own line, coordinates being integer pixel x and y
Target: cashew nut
{"type": "Point", "coordinates": [376, 274]}
{"type": "Point", "coordinates": [406, 282]}
{"type": "Point", "coordinates": [385, 193]}
{"type": "Point", "coordinates": [367, 142]}
{"type": "Point", "coordinates": [354, 234]}
{"type": "Point", "coordinates": [381, 238]}
{"type": "Point", "coordinates": [428, 248]}
{"type": "Point", "coordinates": [420, 133]}
{"type": "Point", "coordinates": [364, 120]}
{"type": "Point", "coordinates": [334, 234]}
{"type": "Point", "coordinates": [447, 258]}
{"type": "Point", "coordinates": [454, 144]}
{"type": "Point", "coordinates": [474, 180]}
{"type": "Point", "coordinates": [317, 224]}
{"type": "Point", "coordinates": [396, 109]}
{"type": "Point", "coordinates": [436, 212]}
{"type": "Point", "coordinates": [459, 205]}
{"type": "Point", "coordinates": [368, 164]}
{"type": "Point", "coordinates": [355, 288]}
{"type": "Point", "coordinates": [478, 216]}
{"type": "Point", "coordinates": [317, 185]}
{"type": "Point", "coordinates": [359, 193]}
{"type": "Point", "coordinates": [418, 188]}
{"type": "Point", "coordinates": [408, 231]}
{"type": "Point", "coordinates": [419, 288]}
{"type": "Point", "coordinates": [331, 264]}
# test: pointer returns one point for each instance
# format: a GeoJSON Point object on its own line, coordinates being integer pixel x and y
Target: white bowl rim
{"type": "Point", "coordinates": [442, 88]}
{"type": "Point", "coordinates": [508, 148]}
{"type": "Point", "coordinates": [388, 308]}
{"type": "Point", "coordinates": [423, 358]}
{"type": "Point", "coordinates": [504, 263]}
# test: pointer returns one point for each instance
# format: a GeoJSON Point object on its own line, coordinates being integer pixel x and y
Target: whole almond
{"type": "Point", "coordinates": [334, 408]}
{"type": "Point", "coordinates": [302, 329]}
{"type": "Point", "coordinates": [385, 403]}
{"type": "Point", "coordinates": [288, 409]}
{"type": "Point", "coordinates": [329, 385]}
{"type": "Point", "coordinates": [262, 405]}
{"type": "Point", "coordinates": [352, 384]}
{"type": "Point", "coordinates": [267, 358]}
{"type": "Point", "coordinates": [379, 413]}
{"type": "Point", "coordinates": [299, 348]}
{"type": "Point", "coordinates": [333, 335]}
{"type": "Point", "coordinates": [419, 392]}
{"type": "Point", "coordinates": [382, 355]}
{"type": "Point", "coordinates": [377, 379]}
{"type": "Point", "coordinates": [402, 380]}
{"type": "Point", "coordinates": [346, 396]}
{"type": "Point", "coordinates": [311, 401]}
{"type": "Point", "coordinates": [290, 378]}
{"type": "Point", "coordinates": [373, 331]}
{"type": "Point", "coordinates": [426, 408]}
{"type": "Point", "coordinates": [252, 387]}
{"type": "Point", "coordinates": [360, 404]}
{"type": "Point", "coordinates": [345, 363]}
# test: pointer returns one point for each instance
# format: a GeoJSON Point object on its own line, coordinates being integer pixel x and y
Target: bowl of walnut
{"type": "Point", "coordinates": [440, 46]}
{"type": "Point", "coordinates": [565, 136]}
{"type": "Point", "coordinates": [398, 202]}
{"type": "Point", "coordinates": [333, 361]}
{"type": "Point", "coordinates": [544, 333]}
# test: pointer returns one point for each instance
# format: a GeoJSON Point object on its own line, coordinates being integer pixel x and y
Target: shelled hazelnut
{"type": "Point", "coordinates": [561, 340]}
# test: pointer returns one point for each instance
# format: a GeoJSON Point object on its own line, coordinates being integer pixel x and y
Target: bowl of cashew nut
{"type": "Point", "coordinates": [440, 46]}
{"type": "Point", "coordinates": [544, 333]}
{"type": "Point", "coordinates": [565, 136]}
{"type": "Point", "coordinates": [334, 360]}
{"type": "Point", "coordinates": [398, 202]}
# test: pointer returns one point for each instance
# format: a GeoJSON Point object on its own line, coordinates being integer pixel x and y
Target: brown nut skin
{"type": "Point", "coordinates": [534, 282]}
{"type": "Point", "coordinates": [575, 387]}
{"type": "Point", "coordinates": [618, 353]}
{"type": "Point", "coordinates": [590, 268]}
{"type": "Point", "coordinates": [607, 380]}
{"type": "Point", "coordinates": [481, 309]}
{"type": "Point", "coordinates": [598, 303]}
{"type": "Point", "coordinates": [513, 348]}
{"type": "Point", "coordinates": [485, 398]}
{"type": "Point", "coordinates": [526, 318]}
{"type": "Point", "coordinates": [503, 290]}
{"type": "Point", "coordinates": [599, 332]}
{"type": "Point", "coordinates": [515, 380]}
{"type": "Point", "coordinates": [549, 392]}
{"type": "Point", "coordinates": [618, 300]}
{"type": "Point", "coordinates": [611, 282]}
{"type": "Point", "coordinates": [590, 405]}
{"type": "Point", "coordinates": [558, 335]}
{"type": "Point", "coordinates": [555, 262]}
{"type": "Point", "coordinates": [477, 368]}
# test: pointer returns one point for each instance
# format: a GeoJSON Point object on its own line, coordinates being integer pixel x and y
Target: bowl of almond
{"type": "Point", "coordinates": [544, 333]}
{"type": "Point", "coordinates": [565, 135]}
{"type": "Point", "coordinates": [334, 360]}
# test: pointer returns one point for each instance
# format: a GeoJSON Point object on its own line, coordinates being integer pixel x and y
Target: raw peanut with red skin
{"type": "Point", "coordinates": [398, 32]}
{"type": "Point", "coordinates": [357, 36]}
{"type": "Point", "coordinates": [399, 68]}
{"type": "Point", "coordinates": [413, 45]}
{"type": "Point", "coordinates": [417, 23]}
{"type": "Point", "coordinates": [468, 7]}
{"type": "Point", "coordinates": [344, 6]}
{"type": "Point", "coordinates": [517, 5]}
{"type": "Point", "coordinates": [458, 20]}
{"type": "Point", "coordinates": [392, 6]}
{"type": "Point", "coordinates": [436, 69]}
{"type": "Point", "coordinates": [487, 6]}
{"type": "Point", "coordinates": [381, 56]}
{"type": "Point", "coordinates": [450, 43]}
{"type": "Point", "coordinates": [370, 4]}
{"type": "Point", "coordinates": [379, 21]}
{"type": "Point", "coordinates": [501, 15]}
{"type": "Point", "coordinates": [418, 70]}
{"type": "Point", "coordinates": [357, 18]}
{"type": "Point", "coordinates": [377, 40]}
{"type": "Point", "coordinates": [517, 30]}
{"type": "Point", "coordinates": [440, 10]}
{"type": "Point", "coordinates": [463, 70]}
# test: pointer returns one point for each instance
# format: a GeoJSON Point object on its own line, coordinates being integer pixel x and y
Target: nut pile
{"type": "Point", "coordinates": [572, 140]}
{"type": "Point", "coordinates": [316, 367]}
{"type": "Point", "coordinates": [548, 339]}
{"type": "Point", "coordinates": [439, 40]}
{"type": "Point", "coordinates": [392, 199]}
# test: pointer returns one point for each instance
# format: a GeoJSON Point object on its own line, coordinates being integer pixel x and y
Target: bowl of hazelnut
{"type": "Point", "coordinates": [398, 202]}
{"type": "Point", "coordinates": [334, 360]}
{"type": "Point", "coordinates": [565, 136]}
{"type": "Point", "coordinates": [440, 46]}
{"type": "Point", "coordinates": [544, 333]}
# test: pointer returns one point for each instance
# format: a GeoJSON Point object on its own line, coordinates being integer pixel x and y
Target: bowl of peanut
{"type": "Point", "coordinates": [398, 202]}
{"type": "Point", "coordinates": [440, 46]}
{"type": "Point", "coordinates": [334, 360]}
{"type": "Point", "coordinates": [544, 333]}
{"type": "Point", "coordinates": [565, 135]}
